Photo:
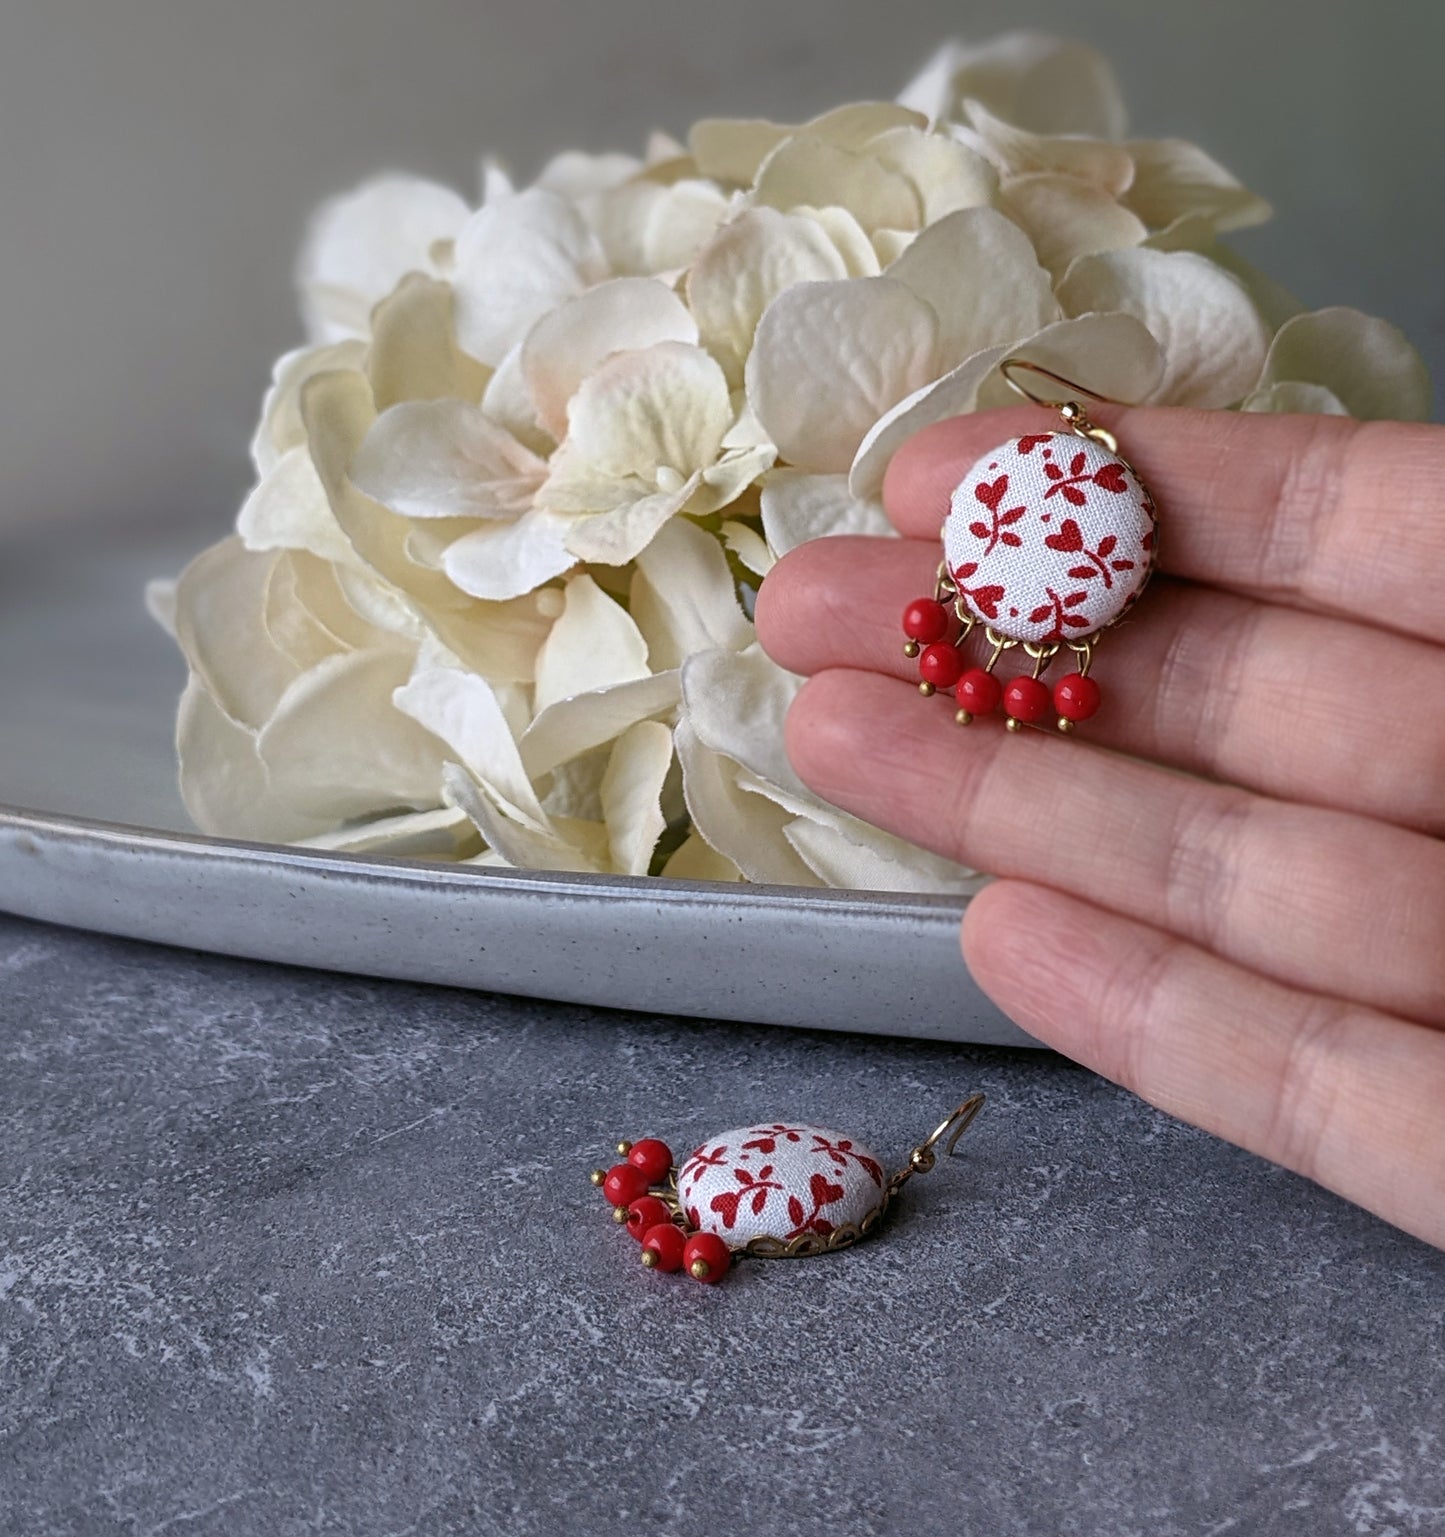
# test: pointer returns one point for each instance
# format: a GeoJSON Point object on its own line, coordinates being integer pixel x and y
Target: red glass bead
{"type": "Point", "coordinates": [623, 1185]}
{"type": "Point", "coordinates": [706, 1258]}
{"type": "Point", "coordinates": [645, 1213]}
{"type": "Point", "coordinates": [940, 665]}
{"type": "Point", "coordinates": [925, 620]}
{"type": "Point", "coordinates": [1077, 697]}
{"type": "Point", "coordinates": [665, 1244]}
{"type": "Point", "coordinates": [1027, 699]}
{"type": "Point", "coordinates": [654, 1158]}
{"type": "Point", "coordinates": [979, 692]}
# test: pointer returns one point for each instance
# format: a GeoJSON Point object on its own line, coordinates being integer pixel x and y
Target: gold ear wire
{"type": "Point", "coordinates": [1009, 364]}
{"type": "Point", "coordinates": [923, 1158]}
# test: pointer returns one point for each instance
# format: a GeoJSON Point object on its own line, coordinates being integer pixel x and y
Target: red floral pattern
{"type": "Point", "coordinates": [778, 1180]}
{"type": "Point", "coordinates": [1049, 537]}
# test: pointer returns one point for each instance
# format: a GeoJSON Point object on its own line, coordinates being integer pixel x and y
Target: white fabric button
{"type": "Point", "coordinates": [778, 1181]}
{"type": "Point", "coordinates": [1049, 537]}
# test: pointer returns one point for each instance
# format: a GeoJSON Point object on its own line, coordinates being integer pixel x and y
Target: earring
{"type": "Point", "coordinates": [777, 1190]}
{"type": "Point", "coordinates": [1050, 539]}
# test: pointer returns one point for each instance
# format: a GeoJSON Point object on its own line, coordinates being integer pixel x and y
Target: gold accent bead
{"type": "Point", "coordinates": [624, 1147]}
{"type": "Point", "coordinates": [911, 648]}
{"type": "Point", "coordinates": [926, 689]}
{"type": "Point", "coordinates": [649, 1259]}
{"type": "Point", "coordinates": [699, 1270]}
{"type": "Point", "coordinates": [1014, 724]}
{"type": "Point", "coordinates": [964, 718]}
{"type": "Point", "coordinates": [620, 1214]}
{"type": "Point", "coordinates": [597, 1176]}
{"type": "Point", "coordinates": [1065, 725]}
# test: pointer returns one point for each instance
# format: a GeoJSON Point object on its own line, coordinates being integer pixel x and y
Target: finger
{"type": "Point", "coordinates": [1274, 886]}
{"type": "Point", "coordinates": [1197, 678]}
{"type": "Point", "coordinates": [1320, 512]}
{"type": "Point", "coordinates": [1343, 1095]}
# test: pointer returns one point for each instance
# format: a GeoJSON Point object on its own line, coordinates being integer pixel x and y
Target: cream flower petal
{"type": "Point", "coordinates": [495, 180]}
{"type": "Point", "coordinates": [1364, 362]}
{"type": "Point", "coordinates": [680, 222]}
{"type": "Point", "coordinates": [444, 833]}
{"type": "Point", "coordinates": [730, 150]}
{"type": "Point", "coordinates": [515, 261]}
{"type": "Point", "coordinates": [1174, 179]}
{"type": "Point", "coordinates": [1018, 152]}
{"type": "Point", "coordinates": [414, 353]}
{"type": "Point", "coordinates": [1290, 397]}
{"type": "Point", "coordinates": [747, 830]}
{"type": "Point", "coordinates": [1066, 218]}
{"type": "Point", "coordinates": [293, 628]}
{"type": "Point", "coordinates": [593, 645]}
{"type": "Point", "coordinates": [978, 271]}
{"type": "Point", "coordinates": [724, 482]}
{"type": "Point", "coordinates": [733, 149]}
{"type": "Point", "coordinates": [220, 608]}
{"type": "Point", "coordinates": [664, 406]}
{"type": "Point", "coordinates": [613, 538]}
{"type": "Point", "coordinates": [281, 428]}
{"type": "Point", "coordinates": [568, 344]}
{"type": "Point", "coordinates": [574, 174]}
{"type": "Point", "coordinates": [945, 174]}
{"type": "Point", "coordinates": [856, 124]}
{"type": "Point", "coordinates": [697, 860]}
{"type": "Point", "coordinates": [288, 510]}
{"type": "Point", "coordinates": [955, 394]}
{"type": "Point", "coordinates": [632, 795]}
{"type": "Point", "coordinates": [805, 170]}
{"type": "Point", "coordinates": [1112, 352]}
{"type": "Point", "coordinates": [506, 560]}
{"type": "Point", "coordinates": [160, 602]}
{"type": "Point", "coordinates": [1041, 83]}
{"type": "Point", "coordinates": [463, 711]}
{"type": "Point", "coordinates": [507, 399]}
{"type": "Point", "coordinates": [445, 459]}
{"type": "Point", "coordinates": [574, 846]}
{"type": "Point", "coordinates": [737, 702]}
{"type": "Point", "coordinates": [501, 640]}
{"type": "Point", "coordinates": [1213, 338]}
{"type": "Point", "coordinates": [749, 546]}
{"type": "Point", "coordinates": [798, 506]}
{"type": "Point", "coordinates": [338, 411]}
{"type": "Point", "coordinates": [830, 358]}
{"type": "Point", "coordinates": [336, 748]}
{"type": "Point", "coordinates": [847, 853]}
{"type": "Point", "coordinates": [683, 598]}
{"type": "Point", "coordinates": [849, 239]}
{"type": "Point", "coordinates": [360, 245]}
{"type": "Point", "coordinates": [662, 149]}
{"type": "Point", "coordinates": [570, 727]}
{"type": "Point", "coordinates": [745, 266]}
{"type": "Point", "coordinates": [327, 592]}
{"type": "Point", "coordinates": [223, 781]}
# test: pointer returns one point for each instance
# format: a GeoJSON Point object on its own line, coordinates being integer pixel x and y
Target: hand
{"type": "Point", "coordinates": [1227, 890]}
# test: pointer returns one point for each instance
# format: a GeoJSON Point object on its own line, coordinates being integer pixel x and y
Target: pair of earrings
{"type": "Point", "coordinates": [1049, 540]}
{"type": "Point", "coordinates": [777, 1190]}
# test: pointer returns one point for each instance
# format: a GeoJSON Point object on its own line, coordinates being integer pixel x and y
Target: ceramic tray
{"type": "Point", "coordinates": [92, 834]}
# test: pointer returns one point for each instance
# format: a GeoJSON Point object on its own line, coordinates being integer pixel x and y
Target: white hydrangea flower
{"type": "Point", "coordinates": [488, 598]}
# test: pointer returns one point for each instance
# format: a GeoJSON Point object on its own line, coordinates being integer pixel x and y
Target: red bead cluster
{"type": "Point", "coordinates": [666, 1245]}
{"type": "Point", "coordinates": [1026, 700]}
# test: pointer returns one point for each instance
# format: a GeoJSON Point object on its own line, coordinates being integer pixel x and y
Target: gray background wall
{"type": "Point", "coordinates": [158, 158]}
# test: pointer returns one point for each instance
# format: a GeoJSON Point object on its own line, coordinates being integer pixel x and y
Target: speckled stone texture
{"type": "Point", "coordinates": [282, 1252]}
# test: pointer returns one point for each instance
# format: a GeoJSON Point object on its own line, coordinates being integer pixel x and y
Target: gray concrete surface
{"type": "Point", "coordinates": [158, 159]}
{"type": "Point", "coordinates": [283, 1254]}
